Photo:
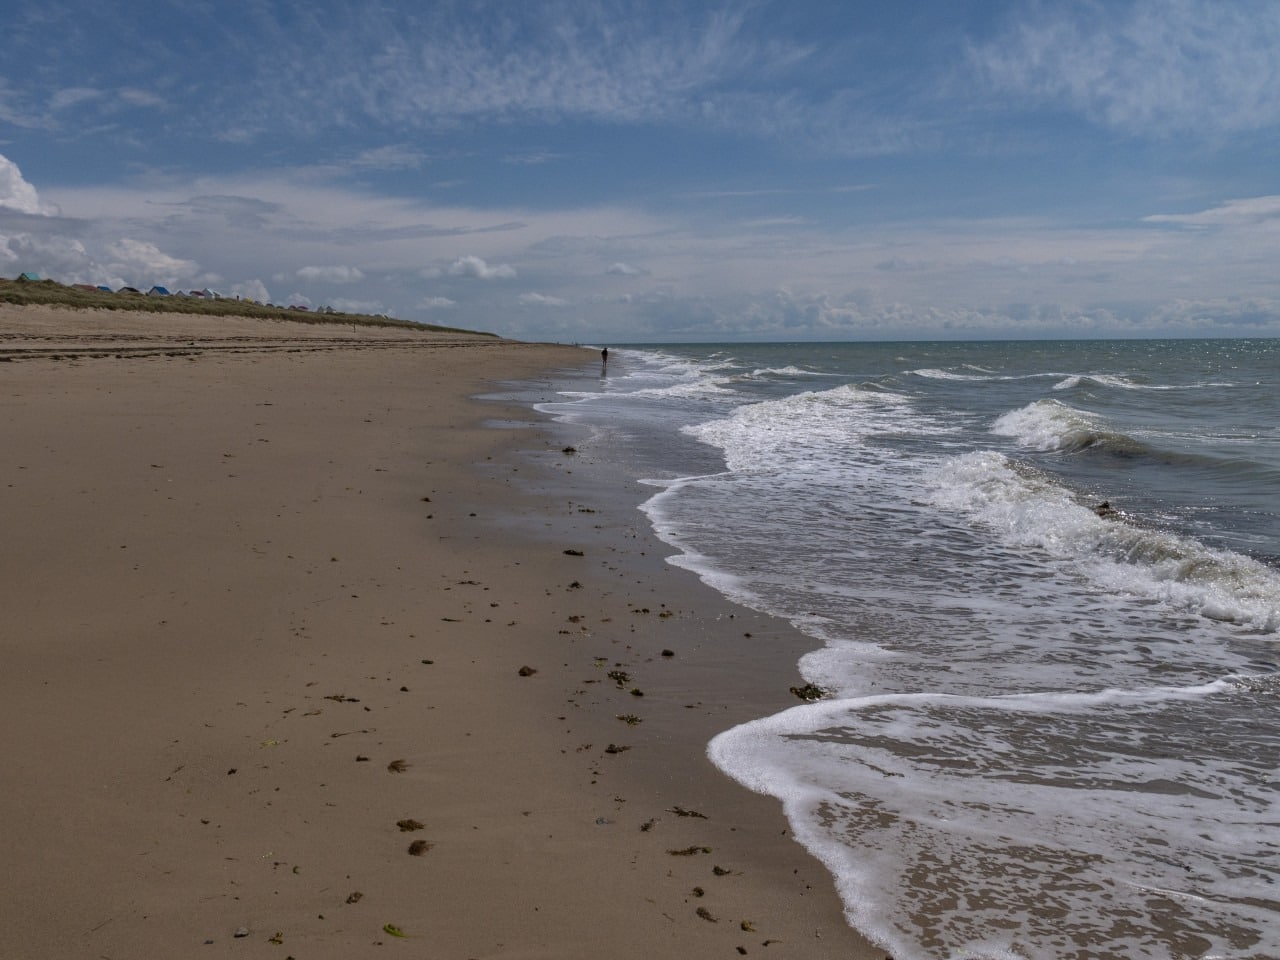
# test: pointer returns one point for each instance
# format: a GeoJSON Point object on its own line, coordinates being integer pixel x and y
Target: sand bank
{"type": "Point", "coordinates": [297, 647]}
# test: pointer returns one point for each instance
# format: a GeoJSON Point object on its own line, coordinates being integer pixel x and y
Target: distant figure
{"type": "Point", "coordinates": [604, 355]}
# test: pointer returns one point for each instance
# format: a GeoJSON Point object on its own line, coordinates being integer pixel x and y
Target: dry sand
{"type": "Point", "coordinates": [266, 593]}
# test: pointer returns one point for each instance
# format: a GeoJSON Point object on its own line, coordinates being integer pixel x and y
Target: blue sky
{"type": "Point", "coordinates": [659, 171]}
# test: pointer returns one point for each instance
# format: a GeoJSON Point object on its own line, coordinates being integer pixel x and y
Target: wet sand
{"type": "Point", "coordinates": [299, 646]}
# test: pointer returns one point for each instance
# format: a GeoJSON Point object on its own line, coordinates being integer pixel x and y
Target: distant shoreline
{"type": "Point", "coordinates": [51, 293]}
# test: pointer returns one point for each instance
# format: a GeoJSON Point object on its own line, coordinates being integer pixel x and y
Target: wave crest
{"type": "Point", "coordinates": [1029, 510]}
{"type": "Point", "coordinates": [1051, 426]}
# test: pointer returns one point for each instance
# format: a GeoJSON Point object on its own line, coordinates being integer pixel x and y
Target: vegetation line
{"type": "Point", "coordinates": [51, 293]}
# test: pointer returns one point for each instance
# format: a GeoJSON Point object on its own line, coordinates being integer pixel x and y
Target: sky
{"type": "Point", "coordinates": [608, 172]}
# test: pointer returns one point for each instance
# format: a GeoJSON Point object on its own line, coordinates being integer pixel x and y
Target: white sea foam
{"type": "Point", "coordinates": [788, 372]}
{"type": "Point", "coordinates": [808, 427]}
{"type": "Point", "coordinates": [702, 387]}
{"type": "Point", "coordinates": [930, 373]}
{"type": "Point", "coordinates": [1049, 425]}
{"type": "Point", "coordinates": [1051, 732]}
{"type": "Point", "coordinates": [1128, 383]}
{"type": "Point", "coordinates": [982, 375]}
{"type": "Point", "coordinates": [1125, 383]}
{"type": "Point", "coordinates": [1020, 800]}
{"type": "Point", "coordinates": [1026, 509]}
{"type": "Point", "coordinates": [689, 558]}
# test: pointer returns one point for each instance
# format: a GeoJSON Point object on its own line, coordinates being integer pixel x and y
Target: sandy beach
{"type": "Point", "coordinates": [308, 654]}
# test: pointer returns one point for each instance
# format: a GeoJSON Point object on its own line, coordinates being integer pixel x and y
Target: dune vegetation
{"type": "Point", "coordinates": [52, 293]}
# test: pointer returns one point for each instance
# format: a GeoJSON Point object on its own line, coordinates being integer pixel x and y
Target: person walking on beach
{"type": "Point", "coordinates": [604, 355]}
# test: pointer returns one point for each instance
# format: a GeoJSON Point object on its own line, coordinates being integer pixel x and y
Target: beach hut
{"type": "Point", "coordinates": [28, 277]}
{"type": "Point", "coordinates": [157, 291]}
{"type": "Point", "coordinates": [128, 290]}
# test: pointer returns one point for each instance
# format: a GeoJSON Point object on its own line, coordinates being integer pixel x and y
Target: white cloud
{"type": "Point", "coordinates": [1248, 316]}
{"type": "Point", "coordinates": [331, 274]}
{"type": "Point", "coordinates": [390, 158]}
{"type": "Point", "coordinates": [1151, 66]}
{"type": "Point", "coordinates": [436, 66]}
{"type": "Point", "coordinates": [374, 307]}
{"type": "Point", "coordinates": [784, 314]}
{"type": "Point", "coordinates": [262, 226]}
{"type": "Point", "coordinates": [17, 194]}
{"type": "Point", "coordinates": [49, 256]}
{"type": "Point", "coordinates": [107, 101]}
{"type": "Point", "coordinates": [147, 262]}
{"type": "Point", "coordinates": [782, 221]}
{"type": "Point", "coordinates": [541, 300]}
{"type": "Point", "coordinates": [135, 97]}
{"type": "Point", "coordinates": [252, 290]}
{"type": "Point", "coordinates": [1251, 210]}
{"type": "Point", "coordinates": [532, 158]}
{"type": "Point", "coordinates": [579, 59]}
{"type": "Point", "coordinates": [471, 266]}
{"type": "Point", "coordinates": [902, 277]}
{"type": "Point", "coordinates": [14, 109]}
{"type": "Point", "coordinates": [73, 96]}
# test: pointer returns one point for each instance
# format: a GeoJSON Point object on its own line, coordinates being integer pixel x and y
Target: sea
{"type": "Point", "coordinates": [1042, 580]}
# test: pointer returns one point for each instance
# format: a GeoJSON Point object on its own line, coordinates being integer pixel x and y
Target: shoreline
{"type": "Point", "coordinates": [243, 583]}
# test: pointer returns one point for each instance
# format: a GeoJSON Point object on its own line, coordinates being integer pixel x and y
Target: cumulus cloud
{"type": "Point", "coordinates": [436, 303]}
{"type": "Point", "coordinates": [252, 290]}
{"type": "Point", "coordinates": [17, 194]}
{"type": "Point", "coordinates": [148, 262]}
{"type": "Point", "coordinates": [624, 270]}
{"type": "Point", "coordinates": [48, 244]}
{"type": "Point", "coordinates": [858, 315]}
{"type": "Point", "coordinates": [49, 256]}
{"type": "Point", "coordinates": [541, 300]}
{"type": "Point", "coordinates": [332, 274]}
{"type": "Point", "coordinates": [1251, 316]}
{"type": "Point", "coordinates": [470, 266]}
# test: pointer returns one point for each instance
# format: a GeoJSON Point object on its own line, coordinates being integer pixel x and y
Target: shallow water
{"type": "Point", "coordinates": [1053, 726]}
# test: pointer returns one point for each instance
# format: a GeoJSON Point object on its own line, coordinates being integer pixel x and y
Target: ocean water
{"type": "Point", "coordinates": [1052, 727]}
